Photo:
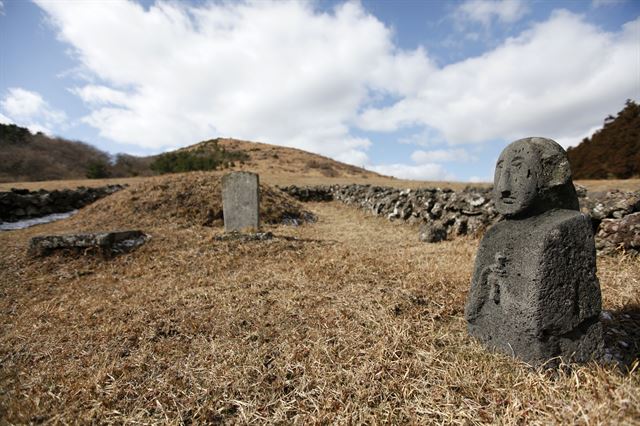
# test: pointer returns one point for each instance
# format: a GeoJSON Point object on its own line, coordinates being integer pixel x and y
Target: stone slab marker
{"type": "Point", "coordinates": [534, 292]}
{"type": "Point", "coordinates": [107, 243]}
{"type": "Point", "coordinates": [241, 201]}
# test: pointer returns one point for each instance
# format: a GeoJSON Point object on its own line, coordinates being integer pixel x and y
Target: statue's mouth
{"type": "Point", "coordinates": [508, 200]}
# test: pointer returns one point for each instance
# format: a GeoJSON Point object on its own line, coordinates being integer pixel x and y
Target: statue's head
{"type": "Point", "coordinates": [533, 175]}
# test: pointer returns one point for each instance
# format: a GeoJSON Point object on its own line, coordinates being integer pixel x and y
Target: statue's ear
{"type": "Point", "coordinates": [556, 171]}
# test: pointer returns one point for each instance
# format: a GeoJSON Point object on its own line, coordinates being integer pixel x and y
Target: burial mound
{"type": "Point", "coordinates": [183, 200]}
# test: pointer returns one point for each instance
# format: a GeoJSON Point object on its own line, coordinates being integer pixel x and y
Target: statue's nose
{"type": "Point", "coordinates": [504, 183]}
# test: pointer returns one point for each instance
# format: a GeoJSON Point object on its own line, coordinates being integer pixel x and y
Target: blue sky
{"type": "Point", "coordinates": [417, 89]}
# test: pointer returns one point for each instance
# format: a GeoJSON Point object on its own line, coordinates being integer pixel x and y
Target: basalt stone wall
{"type": "Point", "coordinates": [456, 213]}
{"type": "Point", "coordinates": [444, 213]}
{"type": "Point", "coordinates": [20, 204]}
{"type": "Point", "coordinates": [310, 193]}
{"type": "Point", "coordinates": [441, 212]}
{"type": "Point", "coordinates": [615, 218]}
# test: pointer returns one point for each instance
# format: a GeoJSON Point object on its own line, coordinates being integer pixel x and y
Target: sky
{"type": "Point", "coordinates": [428, 90]}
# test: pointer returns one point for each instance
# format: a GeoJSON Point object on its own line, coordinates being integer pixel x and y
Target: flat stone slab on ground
{"type": "Point", "coordinates": [241, 201]}
{"type": "Point", "coordinates": [107, 243]}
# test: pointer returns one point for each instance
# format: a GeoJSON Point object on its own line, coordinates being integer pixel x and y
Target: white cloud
{"type": "Point", "coordinates": [2, 8]}
{"type": "Point", "coordinates": [555, 80]}
{"type": "Point", "coordinates": [277, 72]}
{"type": "Point", "coordinates": [441, 156]}
{"type": "Point", "coordinates": [100, 95]}
{"type": "Point", "coordinates": [29, 109]}
{"type": "Point", "coordinates": [427, 171]}
{"type": "Point", "coordinates": [22, 103]}
{"type": "Point", "coordinates": [5, 120]}
{"type": "Point", "coordinates": [426, 137]}
{"type": "Point", "coordinates": [353, 156]}
{"type": "Point", "coordinates": [403, 72]}
{"type": "Point", "coordinates": [285, 73]}
{"type": "Point", "coordinates": [575, 139]}
{"type": "Point", "coordinates": [484, 11]}
{"type": "Point", "coordinates": [478, 179]}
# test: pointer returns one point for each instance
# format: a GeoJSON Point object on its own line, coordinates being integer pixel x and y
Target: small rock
{"type": "Point", "coordinates": [581, 191]}
{"type": "Point", "coordinates": [432, 232]}
{"type": "Point", "coordinates": [477, 202]}
{"type": "Point", "coordinates": [606, 316]}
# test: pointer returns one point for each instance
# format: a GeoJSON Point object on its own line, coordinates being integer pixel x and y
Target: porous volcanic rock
{"type": "Point", "coordinates": [309, 193]}
{"type": "Point", "coordinates": [611, 204]}
{"type": "Point", "coordinates": [104, 243]}
{"type": "Point", "coordinates": [615, 235]}
{"type": "Point", "coordinates": [433, 232]}
{"type": "Point", "coordinates": [534, 292]}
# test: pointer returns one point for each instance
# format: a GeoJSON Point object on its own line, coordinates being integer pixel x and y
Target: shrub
{"type": "Point", "coordinates": [209, 158]}
{"type": "Point", "coordinates": [97, 170]}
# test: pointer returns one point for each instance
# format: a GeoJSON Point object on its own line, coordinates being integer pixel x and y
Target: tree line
{"type": "Point", "coordinates": [612, 152]}
{"type": "Point", "coordinates": [34, 157]}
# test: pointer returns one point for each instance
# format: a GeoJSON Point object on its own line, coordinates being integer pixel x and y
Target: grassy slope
{"type": "Point", "coordinates": [290, 162]}
{"type": "Point", "coordinates": [355, 322]}
{"type": "Point", "coordinates": [279, 165]}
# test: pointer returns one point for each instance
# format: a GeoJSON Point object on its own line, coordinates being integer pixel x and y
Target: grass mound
{"type": "Point", "coordinates": [185, 200]}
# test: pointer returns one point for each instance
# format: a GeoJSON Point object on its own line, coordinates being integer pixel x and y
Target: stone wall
{"type": "Point", "coordinates": [444, 214]}
{"type": "Point", "coordinates": [20, 204]}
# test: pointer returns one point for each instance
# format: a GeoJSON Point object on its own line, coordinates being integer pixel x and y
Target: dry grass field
{"type": "Point", "coordinates": [348, 320]}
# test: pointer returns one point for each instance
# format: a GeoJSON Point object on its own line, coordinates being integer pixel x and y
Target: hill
{"type": "Point", "coordinates": [267, 159]}
{"type": "Point", "coordinates": [612, 152]}
{"type": "Point", "coordinates": [28, 157]}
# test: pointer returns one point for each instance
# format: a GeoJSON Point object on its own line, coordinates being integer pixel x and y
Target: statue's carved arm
{"type": "Point", "coordinates": [478, 294]}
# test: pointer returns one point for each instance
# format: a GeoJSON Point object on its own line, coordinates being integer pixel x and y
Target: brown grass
{"type": "Point", "coordinates": [607, 185]}
{"type": "Point", "coordinates": [354, 322]}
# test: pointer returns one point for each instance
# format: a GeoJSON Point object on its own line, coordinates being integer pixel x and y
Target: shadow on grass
{"type": "Point", "coordinates": [622, 335]}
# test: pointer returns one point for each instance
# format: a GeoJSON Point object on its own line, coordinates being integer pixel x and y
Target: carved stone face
{"type": "Point", "coordinates": [515, 183]}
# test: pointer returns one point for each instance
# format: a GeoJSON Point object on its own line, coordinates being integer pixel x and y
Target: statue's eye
{"type": "Point", "coordinates": [517, 161]}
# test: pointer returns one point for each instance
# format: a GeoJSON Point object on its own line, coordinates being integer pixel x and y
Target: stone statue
{"type": "Point", "coordinates": [534, 292]}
